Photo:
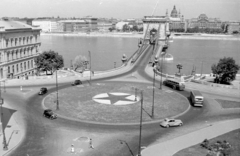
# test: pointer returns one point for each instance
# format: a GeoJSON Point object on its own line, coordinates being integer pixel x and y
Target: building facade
{"type": "Point", "coordinates": [19, 45]}
{"type": "Point", "coordinates": [232, 27]}
{"type": "Point", "coordinates": [176, 21]}
{"type": "Point", "coordinates": [46, 25]}
{"type": "Point", "coordinates": [203, 22]}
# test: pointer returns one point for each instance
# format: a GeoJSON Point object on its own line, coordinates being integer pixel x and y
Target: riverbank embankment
{"type": "Point", "coordinates": [140, 35]}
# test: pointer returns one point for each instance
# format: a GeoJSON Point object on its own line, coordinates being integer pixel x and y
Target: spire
{"type": "Point", "coordinates": [167, 13]}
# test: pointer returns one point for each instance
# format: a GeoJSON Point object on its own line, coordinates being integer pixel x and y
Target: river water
{"type": "Point", "coordinates": [106, 52]}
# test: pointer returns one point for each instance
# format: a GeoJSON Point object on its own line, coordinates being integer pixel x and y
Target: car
{"type": "Point", "coordinates": [48, 113]}
{"type": "Point", "coordinates": [76, 82]}
{"type": "Point", "coordinates": [171, 122]}
{"type": "Point", "coordinates": [43, 91]}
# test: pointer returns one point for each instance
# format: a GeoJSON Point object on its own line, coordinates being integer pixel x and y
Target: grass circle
{"type": "Point", "coordinates": [76, 102]}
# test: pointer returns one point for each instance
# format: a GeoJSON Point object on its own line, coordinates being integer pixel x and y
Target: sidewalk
{"type": "Point", "coordinates": [13, 133]}
{"type": "Point", "coordinates": [201, 87]}
{"type": "Point", "coordinates": [171, 147]}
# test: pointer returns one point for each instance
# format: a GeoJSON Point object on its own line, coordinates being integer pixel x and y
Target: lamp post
{"type": "Point", "coordinates": [57, 106]}
{"type": "Point", "coordinates": [161, 64]}
{"type": "Point", "coordinates": [122, 141]}
{"type": "Point", "coordinates": [5, 147]}
{"type": "Point", "coordinates": [154, 74]}
{"type": "Point", "coordinates": [90, 66]}
{"type": "Point", "coordinates": [140, 133]}
{"type": "Point", "coordinates": [201, 68]}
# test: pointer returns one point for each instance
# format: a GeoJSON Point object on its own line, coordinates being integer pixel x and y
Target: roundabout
{"type": "Point", "coordinates": [116, 103]}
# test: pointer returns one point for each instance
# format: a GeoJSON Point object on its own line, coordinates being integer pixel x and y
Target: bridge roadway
{"type": "Point", "coordinates": [49, 138]}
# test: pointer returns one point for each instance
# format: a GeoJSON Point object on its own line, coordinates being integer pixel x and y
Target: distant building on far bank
{"type": "Point", "coordinates": [176, 21]}
{"type": "Point", "coordinates": [232, 27]}
{"type": "Point", "coordinates": [47, 25]}
{"type": "Point", "coordinates": [19, 45]}
{"type": "Point", "coordinates": [203, 22]}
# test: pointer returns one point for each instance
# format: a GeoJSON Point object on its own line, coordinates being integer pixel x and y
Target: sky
{"type": "Point", "coordinates": [227, 10]}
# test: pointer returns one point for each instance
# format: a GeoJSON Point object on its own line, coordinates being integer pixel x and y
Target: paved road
{"type": "Point", "coordinates": [45, 137]}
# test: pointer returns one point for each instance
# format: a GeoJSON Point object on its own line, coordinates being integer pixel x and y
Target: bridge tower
{"type": "Point", "coordinates": [151, 25]}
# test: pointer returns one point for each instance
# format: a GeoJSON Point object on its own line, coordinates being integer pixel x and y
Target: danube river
{"type": "Point", "coordinates": [106, 52]}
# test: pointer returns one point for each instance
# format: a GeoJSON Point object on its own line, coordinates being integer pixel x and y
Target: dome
{"type": "Point", "coordinates": [174, 12]}
{"type": "Point", "coordinates": [203, 16]}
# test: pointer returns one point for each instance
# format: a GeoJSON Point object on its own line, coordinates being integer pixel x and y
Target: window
{"type": "Point", "coordinates": [24, 65]}
{"type": "Point", "coordinates": [17, 68]}
{"type": "Point", "coordinates": [13, 69]}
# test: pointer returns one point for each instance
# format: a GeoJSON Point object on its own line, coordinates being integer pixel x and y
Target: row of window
{"type": "Point", "coordinates": [20, 41]}
{"type": "Point", "coordinates": [19, 53]}
{"type": "Point", "coordinates": [20, 67]}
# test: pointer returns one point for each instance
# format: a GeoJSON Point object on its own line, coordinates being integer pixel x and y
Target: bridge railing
{"type": "Point", "coordinates": [138, 53]}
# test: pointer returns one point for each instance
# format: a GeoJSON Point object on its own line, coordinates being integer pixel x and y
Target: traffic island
{"type": "Point", "coordinates": [116, 103]}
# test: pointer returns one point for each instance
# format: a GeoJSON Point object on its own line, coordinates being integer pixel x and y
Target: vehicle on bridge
{"type": "Point", "coordinates": [196, 98]}
{"type": "Point", "coordinates": [48, 113]}
{"type": "Point", "coordinates": [171, 122]}
{"type": "Point", "coordinates": [174, 83]}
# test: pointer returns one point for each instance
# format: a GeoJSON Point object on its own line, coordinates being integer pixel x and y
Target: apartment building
{"type": "Point", "coordinates": [19, 45]}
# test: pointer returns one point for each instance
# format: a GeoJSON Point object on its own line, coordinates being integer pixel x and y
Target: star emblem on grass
{"type": "Point", "coordinates": [116, 97]}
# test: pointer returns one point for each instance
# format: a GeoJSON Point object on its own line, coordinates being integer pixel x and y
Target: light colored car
{"type": "Point", "coordinates": [171, 122]}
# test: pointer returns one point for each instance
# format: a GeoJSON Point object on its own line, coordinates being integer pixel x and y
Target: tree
{"type": "Point", "coordinates": [226, 70]}
{"type": "Point", "coordinates": [125, 28]}
{"type": "Point", "coordinates": [80, 62]}
{"type": "Point", "coordinates": [48, 61]}
{"type": "Point", "coordinates": [179, 66]}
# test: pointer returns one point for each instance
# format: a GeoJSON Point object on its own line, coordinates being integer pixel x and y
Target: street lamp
{"type": "Point", "coordinates": [90, 65]}
{"type": "Point", "coordinates": [161, 66]}
{"type": "Point", "coordinates": [201, 68]}
{"type": "Point", "coordinates": [122, 141]}
{"type": "Point", "coordinates": [57, 107]}
{"type": "Point", "coordinates": [5, 147]}
{"type": "Point", "coordinates": [140, 133]}
{"type": "Point", "coordinates": [154, 74]}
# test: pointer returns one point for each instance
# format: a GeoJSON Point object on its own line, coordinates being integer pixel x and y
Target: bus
{"type": "Point", "coordinates": [174, 83]}
{"type": "Point", "coordinates": [196, 98]}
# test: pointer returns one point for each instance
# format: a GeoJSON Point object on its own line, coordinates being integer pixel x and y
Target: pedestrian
{"type": "Point", "coordinates": [90, 144]}
{"type": "Point", "coordinates": [72, 148]}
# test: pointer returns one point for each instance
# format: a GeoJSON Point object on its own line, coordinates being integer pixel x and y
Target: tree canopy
{"type": "Point", "coordinates": [80, 62]}
{"type": "Point", "coordinates": [226, 70]}
{"type": "Point", "coordinates": [49, 61]}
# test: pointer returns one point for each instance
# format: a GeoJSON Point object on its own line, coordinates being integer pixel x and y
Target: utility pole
{"type": "Point", "coordinates": [163, 58]}
{"type": "Point", "coordinates": [57, 107]}
{"type": "Point", "coordinates": [140, 134]}
{"type": "Point", "coordinates": [90, 65]}
{"type": "Point", "coordinates": [153, 91]}
{"type": "Point", "coordinates": [201, 68]}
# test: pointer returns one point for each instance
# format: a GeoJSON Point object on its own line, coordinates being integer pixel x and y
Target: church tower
{"type": "Point", "coordinates": [174, 12]}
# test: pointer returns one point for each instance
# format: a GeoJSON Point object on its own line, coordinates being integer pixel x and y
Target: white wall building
{"type": "Point", "coordinates": [19, 45]}
{"type": "Point", "coordinates": [46, 25]}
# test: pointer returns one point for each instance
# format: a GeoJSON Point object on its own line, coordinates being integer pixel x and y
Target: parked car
{"type": "Point", "coordinates": [43, 91]}
{"type": "Point", "coordinates": [48, 113]}
{"type": "Point", "coordinates": [171, 122]}
{"type": "Point", "coordinates": [76, 82]}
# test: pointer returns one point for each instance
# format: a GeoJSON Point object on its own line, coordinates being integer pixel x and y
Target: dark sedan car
{"type": "Point", "coordinates": [48, 113]}
{"type": "Point", "coordinates": [43, 91]}
{"type": "Point", "coordinates": [76, 82]}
